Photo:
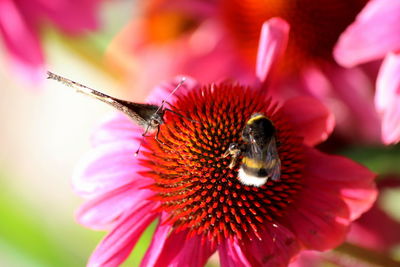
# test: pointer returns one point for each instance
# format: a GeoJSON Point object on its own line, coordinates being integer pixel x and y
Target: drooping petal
{"type": "Point", "coordinates": [320, 223]}
{"type": "Point", "coordinates": [116, 128]}
{"type": "Point", "coordinates": [336, 191]}
{"type": "Point", "coordinates": [273, 41]}
{"type": "Point", "coordinates": [354, 182]}
{"type": "Point", "coordinates": [101, 213]}
{"type": "Point", "coordinates": [107, 167]}
{"type": "Point", "coordinates": [307, 258]}
{"type": "Point", "coordinates": [391, 124]}
{"type": "Point", "coordinates": [311, 118]}
{"type": "Point", "coordinates": [388, 82]}
{"type": "Point", "coordinates": [117, 245]}
{"type": "Point", "coordinates": [387, 98]}
{"type": "Point", "coordinates": [277, 247]}
{"type": "Point", "coordinates": [231, 254]}
{"type": "Point", "coordinates": [375, 32]}
{"type": "Point", "coordinates": [355, 90]}
{"type": "Point", "coordinates": [176, 249]}
{"type": "Point", "coordinates": [368, 232]}
{"type": "Point", "coordinates": [157, 244]}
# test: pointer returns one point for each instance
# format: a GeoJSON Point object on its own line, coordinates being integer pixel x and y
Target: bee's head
{"type": "Point", "coordinates": [258, 129]}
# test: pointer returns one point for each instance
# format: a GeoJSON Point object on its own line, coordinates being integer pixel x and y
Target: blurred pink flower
{"type": "Point", "coordinates": [187, 38]}
{"type": "Point", "coordinates": [201, 207]}
{"type": "Point", "coordinates": [375, 35]}
{"type": "Point", "coordinates": [20, 23]}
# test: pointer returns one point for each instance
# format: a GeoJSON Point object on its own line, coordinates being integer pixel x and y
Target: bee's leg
{"type": "Point", "coordinates": [233, 150]}
{"type": "Point", "coordinates": [233, 162]}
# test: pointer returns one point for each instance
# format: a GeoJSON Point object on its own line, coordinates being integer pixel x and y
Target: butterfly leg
{"type": "Point", "coordinates": [141, 141]}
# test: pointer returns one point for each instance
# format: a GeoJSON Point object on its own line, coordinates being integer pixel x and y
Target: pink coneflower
{"type": "Point", "coordinates": [225, 33]}
{"type": "Point", "coordinates": [376, 35]}
{"type": "Point", "coordinates": [201, 207]}
{"type": "Point", "coordinates": [20, 23]}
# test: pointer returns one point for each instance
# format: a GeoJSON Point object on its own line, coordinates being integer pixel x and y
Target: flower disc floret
{"type": "Point", "coordinates": [193, 181]}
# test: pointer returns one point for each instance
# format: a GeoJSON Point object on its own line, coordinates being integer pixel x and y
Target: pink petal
{"type": "Point", "coordinates": [388, 81]}
{"type": "Point", "coordinates": [118, 244]}
{"type": "Point", "coordinates": [375, 32]}
{"type": "Point", "coordinates": [391, 124]}
{"type": "Point", "coordinates": [101, 213]}
{"type": "Point", "coordinates": [354, 89]}
{"type": "Point", "coordinates": [21, 39]}
{"type": "Point", "coordinates": [368, 231]}
{"type": "Point", "coordinates": [311, 118]}
{"type": "Point", "coordinates": [318, 225]}
{"type": "Point", "coordinates": [308, 258]}
{"type": "Point", "coordinates": [157, 244]}
{"type": "Point", "coordinates": [277, 247]}
{"type": "Point", "coordinates": [387, 98]}
{"type": "Point", "coordinates": [175, 249]}
{"type": "Point", "coordinates": [335, 192]}
{"type": "Point", "coordinates": [163, 91]}
{"type": "Point", "coordinates": [231, 254]}
{"type": "Point", "coordinates": [67, 15]}
{"type": "Point", "coordinates": [116, 128]}
{"type": "Point", "coordinates": [108, 167]}
{"type": "Point", "coordinates": [272, 44]}
{"type": "Point", "coordinates": [351, 181]}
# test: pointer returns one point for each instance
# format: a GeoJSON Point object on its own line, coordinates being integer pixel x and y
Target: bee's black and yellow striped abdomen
{"type": "Point", "coordinates": [260, 160]}
{"type": "Point", "coordinates": [258, 168]}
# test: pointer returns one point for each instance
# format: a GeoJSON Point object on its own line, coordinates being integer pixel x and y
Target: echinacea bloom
{"type": "Point", "coordinates": [375, 35]}
{"type": "Point", "coordinates": [20, 23]}
{"type": "Point", "coordinates": [183, 182]}
{"type": "Point", "coordinates": [225, 33]}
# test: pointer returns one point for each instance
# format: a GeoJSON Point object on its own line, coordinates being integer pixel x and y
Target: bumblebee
{"type": "Point", "coordinates": [260, 154]}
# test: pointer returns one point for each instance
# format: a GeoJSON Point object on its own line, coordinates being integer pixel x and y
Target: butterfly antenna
{"type": "Point", "coordinates": [141, 140]}
{"type": "Point", "coordinates": [173, 92]}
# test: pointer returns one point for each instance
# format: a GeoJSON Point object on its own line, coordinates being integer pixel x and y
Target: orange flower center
{"type": "Point", "coordinates": [193, 182]}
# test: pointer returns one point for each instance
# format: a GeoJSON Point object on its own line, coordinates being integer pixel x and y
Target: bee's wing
{"type": "Point", "coordinates": [273, 160]}
{"type": "Point", "coordinates": [255, 148]}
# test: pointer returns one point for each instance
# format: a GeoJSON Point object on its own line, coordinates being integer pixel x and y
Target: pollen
{"type": "Point", "coordinates": [194, 183]}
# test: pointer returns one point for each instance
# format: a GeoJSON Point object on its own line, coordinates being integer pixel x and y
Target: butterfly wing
{"type": "Point", "coordinates": [141, 114]}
